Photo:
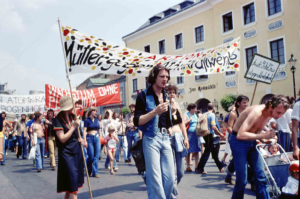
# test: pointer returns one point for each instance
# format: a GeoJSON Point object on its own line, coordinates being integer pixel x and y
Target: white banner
{"type": "Point", "coordinates": [22, 104]}
{"type": "Point", "coordinates": [89, 54]}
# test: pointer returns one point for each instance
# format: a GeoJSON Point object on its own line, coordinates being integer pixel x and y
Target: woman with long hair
{"type": "Point", "coordinates": [70, 175]}
{"type": "Point", "coordinates": [91, 141]}
{"type": "Point", "coordinates": [178, 135]}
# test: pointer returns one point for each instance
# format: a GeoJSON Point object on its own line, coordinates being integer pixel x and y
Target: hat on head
{"type": "Point", "coordinates": [294, 166]}
{"type": "Point", "coordinates": [66, 104]}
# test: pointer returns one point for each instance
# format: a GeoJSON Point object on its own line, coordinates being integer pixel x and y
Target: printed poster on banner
{"type": "Point", "coordinates": [22, 104]}
{"type": "Point", "coordinates": [109, 94]}
{"type": "Point", "coordinates": [89, 54]}
{"type": "Point", "coordinates": [262, 69]}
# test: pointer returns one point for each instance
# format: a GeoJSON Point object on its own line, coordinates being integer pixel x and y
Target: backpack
{"type": "Point", "coordinates": [202, 128]}
{"type": "Point", "coordinates": [138, 156]}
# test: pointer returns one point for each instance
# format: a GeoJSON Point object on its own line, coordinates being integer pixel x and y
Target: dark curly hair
{"type": "Point", "coordinates": [154, 72]}
{"type": "Point", "coordinates": [276, 100]}
{"type": "Point", "coordinates": [171, 87]}
{"type": "Point", "coordinates": [239, 99]}
{"type": "Point", "coordinates": [191, 106]}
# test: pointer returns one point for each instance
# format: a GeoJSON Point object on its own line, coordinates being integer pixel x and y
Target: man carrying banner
{"type": "Point", "coordinates": [153, 117]}
{"type": "Point", "coordinates": [133, 133]}
{"type": "Point", "coordinates": [247, 129]}
{"type": "Point", "coordinates": [22, 137]}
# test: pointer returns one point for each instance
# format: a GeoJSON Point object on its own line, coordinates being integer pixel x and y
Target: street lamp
{"type": "Point", "coordinates": [216, 104]}
{"type": "Point", "coordinates": [292, 62]}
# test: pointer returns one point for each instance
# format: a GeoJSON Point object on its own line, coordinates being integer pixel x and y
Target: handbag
{"type": "Point", "coordinates": [202, 128]}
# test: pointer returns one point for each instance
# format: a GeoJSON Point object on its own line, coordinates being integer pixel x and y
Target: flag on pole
{"type": "Point", "coordinates": [86, 53]}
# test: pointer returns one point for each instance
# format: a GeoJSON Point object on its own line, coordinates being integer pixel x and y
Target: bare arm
{"type": "Point", "coordinates": [295, 124]}
{"type": "Point", "coordinates": [182, 125]}
{"type": "Point", "coordinates": [84, 134]}
{"type": "Point", "coordinates": [186, 121]}
{"type": "Point", "coordinates": [64, 137]}
{"type": "Point", "coordinates": [216, 130]}
{"type": "Point", "coordinates": [231, 121]}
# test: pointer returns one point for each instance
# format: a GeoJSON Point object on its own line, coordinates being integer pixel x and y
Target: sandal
{"type": "Point", "coordinates": [112, 172]}
{"type": "Point", "coordinates": [188, 169]}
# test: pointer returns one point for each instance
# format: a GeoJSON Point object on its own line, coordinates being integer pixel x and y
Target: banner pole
{"type": "Point", "coordinates": [69, 81]}
{"type": "Point", "coordinates": [253, 93]}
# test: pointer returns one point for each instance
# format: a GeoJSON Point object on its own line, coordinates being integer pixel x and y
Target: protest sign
{"type": "Point", "coordinates": [262, 69]}
{"type": "Point", "coordinates": [22, 104]}
{"type": "Point", "coordinates": [89, 54]}
{"type": "Point", "coordinates": [100, 96]}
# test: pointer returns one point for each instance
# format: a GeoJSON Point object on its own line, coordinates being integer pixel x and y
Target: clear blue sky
{"type": "Point", "coordinates": [22, 22]}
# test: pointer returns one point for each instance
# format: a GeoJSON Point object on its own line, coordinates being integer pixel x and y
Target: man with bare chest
{"type": "Point", "coordinates": [249, 127]}
{"type": "Point", "coordinates": [38, 129]}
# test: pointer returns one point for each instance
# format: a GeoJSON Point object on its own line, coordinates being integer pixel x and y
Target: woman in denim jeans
{"type": "Point", "coordinates": [178, 131]}
{"type": "Point", "coordinates": [91, 141]}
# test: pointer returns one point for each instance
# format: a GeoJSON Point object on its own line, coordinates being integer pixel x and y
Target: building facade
{"type": "Point", "coordinates": [267, 27]}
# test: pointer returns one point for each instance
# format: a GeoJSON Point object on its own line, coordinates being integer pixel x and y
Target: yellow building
{"type": "Point", "coordinates": [268, 27]}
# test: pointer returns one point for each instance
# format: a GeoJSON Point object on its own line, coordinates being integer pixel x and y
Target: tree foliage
{"type": "Point", "coordinates": [125, 110]}
{"type": "Point", "coordinates": [227, 101]}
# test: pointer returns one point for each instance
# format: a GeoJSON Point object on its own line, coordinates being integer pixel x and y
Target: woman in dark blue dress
{"type": "Point", "coordinates": [70, 175]}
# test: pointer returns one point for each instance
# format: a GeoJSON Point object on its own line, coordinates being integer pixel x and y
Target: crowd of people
{"type": "Point", "coordinates": [168, 137]}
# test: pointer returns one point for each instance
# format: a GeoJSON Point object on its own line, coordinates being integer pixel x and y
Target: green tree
{"type": "Point", "coordinates": [227, 101]}
{"type": "Point", "coordinates": [125, 111]}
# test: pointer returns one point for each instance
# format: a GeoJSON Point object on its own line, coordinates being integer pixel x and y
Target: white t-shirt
{"type": "Point", "coordinates": [296, 111]}
{"type": "Point", "coordinates": [291, 186]}
{"type": "Point", "coordinates": [284, 121]}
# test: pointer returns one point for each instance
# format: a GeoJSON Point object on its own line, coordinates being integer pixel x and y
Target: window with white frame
{"type": "Point", "coordinates": [277, 50]}
{"type": "Point", "coordinates": [200, 78]}
{"type": "Point", "coordinates": [134, 85]}
{"type": "Point", "coordinates": [147, 48]}
{"type": "Point", "coordinates": [162, 46]}
{"type": "Point", "coordinates": [178, 41]}
{"type": "Point", "coordinates": [227, 22]}
{"type": "Point", "coordinates": [249, 54]}
{"type": "Point", "coordinates": [180, 80]}
{"type": "Point", "coordinates": [249, 13]}
{"type": "Point", "coordinates": [274, 7]}
{"type": "Point", "coordinates": [199, 34]}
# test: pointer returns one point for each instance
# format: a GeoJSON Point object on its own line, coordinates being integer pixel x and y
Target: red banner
{"type": "Point", "coordinates": [100, 96]}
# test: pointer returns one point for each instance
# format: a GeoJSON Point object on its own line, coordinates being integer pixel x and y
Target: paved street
{"type": "Point", "coordinates": [19, 179]}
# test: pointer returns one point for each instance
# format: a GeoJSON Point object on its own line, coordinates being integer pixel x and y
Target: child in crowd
{"type": "Point", "coordinates": [111, 141]}
{"type": "Point", "coordinates": [273, 150]}
{"type": "Point", "coordinates": [292, 186]}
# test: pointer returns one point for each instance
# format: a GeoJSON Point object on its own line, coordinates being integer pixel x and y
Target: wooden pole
{"type": "Point", "coordinates": [253, 93]}
{"type": "Point", "coordinates": [69, 81]}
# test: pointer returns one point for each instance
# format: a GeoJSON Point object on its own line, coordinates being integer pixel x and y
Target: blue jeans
{"type": "Point", "coordinates": [131, 136]}
{"type": "Point", "coordinates": [93, 151]}
{"type": "Point", "coordinates": [159, 166]}
{"type": "Point", "coordinates": [123, 142]}
{"type": "Point", "coordinates": [244, 152]}
{"type": "Point", "coordinates": [22, 147]}
{"type": "Point", "coordinates": [3, 160]}
{"type": "Point", "coordinates": [106, 164]}
{"type": "Point", "coordinates": [178, 166]}
{"type": "Point", "coordinates": [284, 139]}
{"type": "Point", "coordinates": [39, 154]}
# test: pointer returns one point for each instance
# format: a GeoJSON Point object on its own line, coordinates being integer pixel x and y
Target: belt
{"type": "Point", "coordinates": [163, 130]}
{"type": "Point", "coordinates": [234, 133]}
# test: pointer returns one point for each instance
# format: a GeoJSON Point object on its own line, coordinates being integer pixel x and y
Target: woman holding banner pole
{"type": "Point", "coordinates": [70, 175]}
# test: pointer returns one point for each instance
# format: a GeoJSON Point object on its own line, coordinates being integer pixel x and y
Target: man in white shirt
{"type": "Point", "coordinates": [284, 126]}
{"type": "Point", "coordinates": [295, 128]}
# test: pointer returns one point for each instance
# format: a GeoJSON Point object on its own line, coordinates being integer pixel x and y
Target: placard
{"type": "Point", "coordinates": [262, 69]}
